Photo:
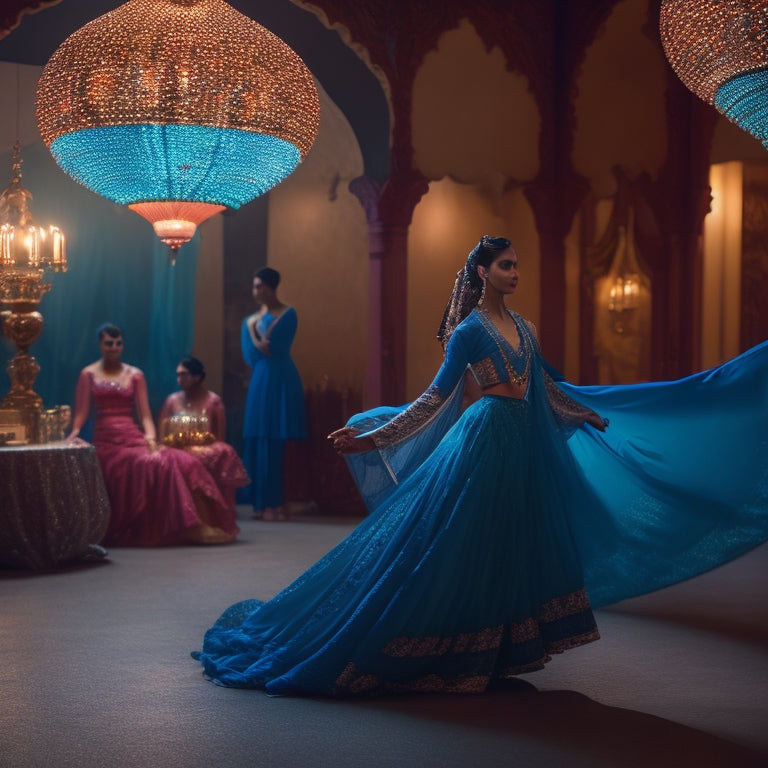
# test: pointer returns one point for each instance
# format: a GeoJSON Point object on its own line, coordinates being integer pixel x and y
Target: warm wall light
{"type": "Point", "coordinates": [624, 294]}
{"type": "Point", "coordinates": [719, 49]}
{"type": "Point", "coordinates": [178, 109]}
{"type": "Point", "coordinates": [624, 291]}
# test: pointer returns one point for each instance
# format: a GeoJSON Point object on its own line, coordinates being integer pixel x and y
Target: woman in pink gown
{"type": "Point", "coordinates": [159, 496]}
{"type": "Point", "coordinates": [193, 418]}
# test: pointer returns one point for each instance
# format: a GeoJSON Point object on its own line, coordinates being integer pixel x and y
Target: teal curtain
{"type": "Point", "coordinates": [119, 272]}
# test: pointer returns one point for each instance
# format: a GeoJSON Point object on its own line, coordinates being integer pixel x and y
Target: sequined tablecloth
{"type": "Point", "coordinates": [53, 504]}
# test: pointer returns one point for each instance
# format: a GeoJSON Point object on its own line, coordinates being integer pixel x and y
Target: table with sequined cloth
{"type": "Point", "coordinates": [54, 507]}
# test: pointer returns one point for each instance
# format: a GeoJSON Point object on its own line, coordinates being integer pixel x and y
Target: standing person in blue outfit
{"type": "Point", "coordinates": [495, 529]}
{"type": "Point", "coordinates": [274, 410]}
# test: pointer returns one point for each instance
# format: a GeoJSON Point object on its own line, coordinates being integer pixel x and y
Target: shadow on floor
{"type": "Point", "coordinates": [581, 726]}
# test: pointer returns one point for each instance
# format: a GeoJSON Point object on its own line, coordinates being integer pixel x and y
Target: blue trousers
{"type": "Point", "coordinates": [263, 459]}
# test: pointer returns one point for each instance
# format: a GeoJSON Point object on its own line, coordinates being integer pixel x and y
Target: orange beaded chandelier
{"type": "Point", "coordinates": [719, 49]}
{"type": "Point", "coordinates": [178, 109]}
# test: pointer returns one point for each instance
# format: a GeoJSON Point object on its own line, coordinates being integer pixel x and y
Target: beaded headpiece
{"type": "Point", "coordinates": [468, 287]}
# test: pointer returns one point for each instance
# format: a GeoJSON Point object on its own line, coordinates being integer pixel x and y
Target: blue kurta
{"type": "Point", "coordinates": [274, 409]}
{"type": "Point", "coordinates": [275, 404]}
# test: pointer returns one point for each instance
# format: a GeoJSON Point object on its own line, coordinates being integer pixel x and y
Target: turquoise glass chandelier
{"type": "Point", "coordinates": [178, 109]}
{"type": "Point", "coordinates": [719, 49]}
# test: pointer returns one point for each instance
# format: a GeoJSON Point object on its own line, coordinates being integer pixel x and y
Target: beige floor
{"type": "Point", "coordinates": [94, 671]}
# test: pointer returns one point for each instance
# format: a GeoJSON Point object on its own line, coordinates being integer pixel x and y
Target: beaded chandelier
{"type": "Point", "coordinates": [719, 49]}
{"type": "Point", "coordinates": [178, 109]}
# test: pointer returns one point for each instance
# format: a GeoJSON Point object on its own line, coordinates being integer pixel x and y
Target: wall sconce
{"type": "Point", "coordinates": [624, 291]}
{"type": "Point", "coordinates": [623, 298]}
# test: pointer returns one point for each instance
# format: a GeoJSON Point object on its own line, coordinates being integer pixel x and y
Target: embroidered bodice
{"type": "Point", "coordinates": [114, 402]}
{"type": "Point", "coordinates": [504, 363]}
{"type": "Point", "coordinates": [113, 397]}
{"type": "Point", "coordinates": [478, 346]}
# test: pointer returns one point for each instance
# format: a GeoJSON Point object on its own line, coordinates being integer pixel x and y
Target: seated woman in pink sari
{"type": "Point", "coordinates": [159, 496]}
{"type": "Point", "coordinates": [193, 419]}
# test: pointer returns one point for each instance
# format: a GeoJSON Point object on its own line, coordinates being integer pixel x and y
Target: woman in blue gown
{"type": "Point", "coordinates": [274, 409]}
{"type": "Point", "coordinates": [494, 529]}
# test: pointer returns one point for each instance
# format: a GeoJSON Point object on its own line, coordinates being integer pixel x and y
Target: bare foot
{"type": "Point", "coordinates": [207, 534]}
{"type": "Point", "coordinates": [275, 513]}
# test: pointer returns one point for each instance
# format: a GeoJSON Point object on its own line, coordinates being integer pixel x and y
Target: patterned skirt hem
{"type": "Point", "coordinates": [353, 682]}
{"type": "Point", "coordinates": [468, 663]}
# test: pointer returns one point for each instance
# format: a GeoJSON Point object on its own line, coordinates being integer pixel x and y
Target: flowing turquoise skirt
{"type": "Point", "coordinates": [474, 566]}
{"type": "Point", "coordinates": [467, 573]}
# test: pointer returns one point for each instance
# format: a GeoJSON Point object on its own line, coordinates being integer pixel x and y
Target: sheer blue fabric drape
{"type": "Point", "coordinates": [118, 272]}
{"type": "Point", "coordinates": [677, 484]}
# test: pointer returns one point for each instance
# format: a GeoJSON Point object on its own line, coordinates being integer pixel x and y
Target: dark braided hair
{"type": "Point", "coordinates": [468, 286]}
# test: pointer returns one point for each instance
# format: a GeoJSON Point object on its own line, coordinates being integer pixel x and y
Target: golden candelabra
{"type": "Point", "coordinates": [25, 249]}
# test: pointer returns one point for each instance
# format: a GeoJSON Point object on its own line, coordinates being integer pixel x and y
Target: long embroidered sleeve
{"type": "Point", "coordinates": [429, 404]}
{"type": "Point", "coordinates": [568, 413]}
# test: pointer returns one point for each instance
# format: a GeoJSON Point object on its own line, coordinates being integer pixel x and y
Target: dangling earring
{"type": "Point", "coordinates": [482, 293]}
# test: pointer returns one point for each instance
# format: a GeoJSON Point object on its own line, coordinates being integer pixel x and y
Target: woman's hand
{"type": "Point", "coordinates": [345, 440]}
{"type": "Point", "coordinates": [151, 443]}
{"type": "Point", "coordinates": [597, 421]}
{"type": "Point", "coordinates": [260, 343]}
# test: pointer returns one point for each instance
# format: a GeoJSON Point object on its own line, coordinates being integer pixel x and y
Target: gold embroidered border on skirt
{"type": "Point", "coordinates": [470, 642]}
{"type": "Point", "coordinates": [565, 605]}
{"type": "Point", "coordinates": [490, 637]}
{"type": "Point", "coordinates": [353, 681]}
